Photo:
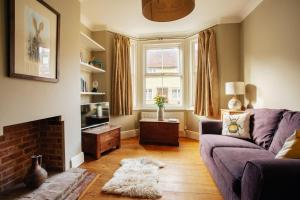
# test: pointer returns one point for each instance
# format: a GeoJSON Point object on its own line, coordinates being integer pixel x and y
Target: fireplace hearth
{"type": "Point", "coordinates": [19, 142]}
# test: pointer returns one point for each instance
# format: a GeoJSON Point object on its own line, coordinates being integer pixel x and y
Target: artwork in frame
{"type": "Point", "coordinates": [34, 40]}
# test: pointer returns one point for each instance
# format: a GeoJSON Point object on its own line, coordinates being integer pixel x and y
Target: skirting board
{"type": "Point", "coordinates": [77, 160]}
{"type": "Point", "coordinates": [135, 132]}
{"type": "Point", "coordinates": [129, 134]}
{"type": "Point", "coordinates": [192, 134]}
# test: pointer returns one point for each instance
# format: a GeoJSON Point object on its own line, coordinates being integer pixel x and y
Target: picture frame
{"type": "Point", "coordinates": [34, 40]}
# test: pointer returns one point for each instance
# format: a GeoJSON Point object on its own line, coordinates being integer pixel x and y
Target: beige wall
{"type": "Point", "coordinates": [271, 54]}
{"type": "Point", "coordinates": [228, 55]}
{"type": "Point", "coordinates": [25, 100]}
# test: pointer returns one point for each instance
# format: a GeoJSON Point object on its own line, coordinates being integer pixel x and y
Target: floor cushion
{"type": "Point", "coordinates": [231, 161]}
{"type": "Point", "coordinates": [210, 141]}
{"type": "Point", "coordinates": [287, 126]}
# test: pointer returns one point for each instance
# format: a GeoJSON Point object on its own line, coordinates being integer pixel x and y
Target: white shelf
{"type": "Point", "coordinates": [92, 93]}
{"type": "Point", "coordinates": [89, 44]}
{"type": "Point", "coordinates": [90, 68]}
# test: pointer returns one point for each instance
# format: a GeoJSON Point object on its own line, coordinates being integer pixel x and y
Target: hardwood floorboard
{"type": "Point", "coordinates": [185, 176]}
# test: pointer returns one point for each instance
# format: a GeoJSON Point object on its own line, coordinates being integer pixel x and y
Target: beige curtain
{"type": "Point", "coordinates": [207, 85]}
{"type": "Point", "coordinates": [121, 98]}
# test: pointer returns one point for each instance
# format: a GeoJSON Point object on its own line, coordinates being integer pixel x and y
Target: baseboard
{"type": "Point", "coordinates": [192, 134]}
{"type": "Point", "coordinates": [129, 134]}
{"type": "Point", "coordinates": [182, 133]}
{"type": "Point", "coordinates": [77, 160]}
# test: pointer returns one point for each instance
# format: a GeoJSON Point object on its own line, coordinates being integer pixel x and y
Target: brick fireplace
{"type": "Point", "coordinates": [19, 142]}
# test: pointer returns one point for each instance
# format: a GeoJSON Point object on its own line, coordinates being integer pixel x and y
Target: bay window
{"type": "Point", "coordinates": [163, 73]}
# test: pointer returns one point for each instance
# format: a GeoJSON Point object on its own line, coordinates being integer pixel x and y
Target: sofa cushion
{"type": "Point", "coordinates": [236, 125]}
{"type": "Point", "coordinates": [209, 142]}
{"type": "Point", "coordinates": [287, 126]}
{"type": "Point", "coordinates": [231, 161]}
{"type": "Point", "coordinates": [265, 124]}
{"type": "Point", "coordinates": [291, 147]}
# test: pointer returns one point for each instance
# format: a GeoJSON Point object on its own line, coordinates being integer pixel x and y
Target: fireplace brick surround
{"type": "Point", "coordinates": [19, 142]}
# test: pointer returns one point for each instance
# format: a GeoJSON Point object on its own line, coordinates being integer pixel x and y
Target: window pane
{"type": "Point", "coordinates": [152, 84]}
{"type": "Point", "coordinates": [173, 85]}
{"type": "Point", "coordinates": [169, 87]}
{"type": "Point", "coordinates": [165, 60]}
{"type": "Point", "coordinates": [154, 61]}
{"type": "Point", "coordinates": [149, 95]}
{"type": "Point", "coordinates": [171, 60]}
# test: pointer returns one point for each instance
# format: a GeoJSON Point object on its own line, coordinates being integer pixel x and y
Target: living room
{"type": "Point", "coordinates": [163, 84]}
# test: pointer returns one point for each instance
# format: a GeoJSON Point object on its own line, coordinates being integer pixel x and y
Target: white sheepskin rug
{"type": "Point", "coordinates": [136, 178]}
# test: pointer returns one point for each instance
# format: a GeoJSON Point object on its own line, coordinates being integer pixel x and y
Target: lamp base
{"type": "Point", "coordinates": [234, 104]}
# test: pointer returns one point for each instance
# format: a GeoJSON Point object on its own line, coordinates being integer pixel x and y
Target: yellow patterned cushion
{"type": "Point", "coordinates": [291, 147]}
{"type": "Point", "coordinates": [236, 125]}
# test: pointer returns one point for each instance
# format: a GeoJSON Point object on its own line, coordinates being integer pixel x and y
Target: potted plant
{"type": "Point", "coordinates": [160, 102]}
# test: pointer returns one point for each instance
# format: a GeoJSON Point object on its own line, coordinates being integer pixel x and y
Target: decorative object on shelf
{"type": "Point", "coordinates": [97, 63]}
{"type": "Point", "coordinates": [34, 43]}
{"type": "Point", "coordinates": [81, 56]}
{"type": "Point", "coordinates": [167, 10]}
{"type": "Point", "coordinates": [95, 86]}
{"type": "Point", "coordinates": [160, 102]}
{"type": "Point", "coordinates": [83, 85]}
{"type": "Point", "coordinates": [234, 88]}
{"type": "Point", "coordinates": [36, 174]}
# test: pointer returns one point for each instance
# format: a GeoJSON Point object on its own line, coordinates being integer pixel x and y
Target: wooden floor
{"type": "Point", "coordinates": [185, 176]}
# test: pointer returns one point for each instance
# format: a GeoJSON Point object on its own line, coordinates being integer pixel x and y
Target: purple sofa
{"type": "Point", "coordinates": [247, 169]}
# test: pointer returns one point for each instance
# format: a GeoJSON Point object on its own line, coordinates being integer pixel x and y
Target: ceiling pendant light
{"type": "Point", "coordinates": [167, 10]}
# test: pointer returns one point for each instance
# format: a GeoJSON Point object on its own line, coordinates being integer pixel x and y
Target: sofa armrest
{"type": "Point", "coordinates": [271, 179]}
{"type": "Point", "coordinates": [210, 127]}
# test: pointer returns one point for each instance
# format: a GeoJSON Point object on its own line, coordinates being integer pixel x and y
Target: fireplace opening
{"type": "Point", "coordinates": [20, 141]}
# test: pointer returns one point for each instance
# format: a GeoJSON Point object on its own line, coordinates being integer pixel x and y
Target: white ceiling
{"type": "Point", "coordinates": [125, 16]}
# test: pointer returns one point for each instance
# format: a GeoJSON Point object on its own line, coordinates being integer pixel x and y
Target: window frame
{"type": "Point", "coordinates": [192, 71]}
{"type": "Point", "coordinates": [160, 45]}
{"type": "Point", "coordinates": [133, 68]}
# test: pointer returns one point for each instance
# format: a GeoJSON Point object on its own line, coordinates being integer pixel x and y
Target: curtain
{"type": "Point", "coordinates": [121, 93]}
{"type": "Point", "coordinates": [207, 85]}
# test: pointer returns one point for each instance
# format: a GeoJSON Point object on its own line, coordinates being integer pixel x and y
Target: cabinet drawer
{"type": "Point", "coordinates": [110, 135]}
{"type": "Point", "coordinates": [109, 144]}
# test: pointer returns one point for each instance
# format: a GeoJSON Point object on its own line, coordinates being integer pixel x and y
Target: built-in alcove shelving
{"type": "Point", "coordinates": [90, 44]}
{"type": "Point", "coordinates": [89, 72]}
{"type": "Point", "coordinates": [90, 68]}
{"type": "Point", "coordinates": [92, 93]}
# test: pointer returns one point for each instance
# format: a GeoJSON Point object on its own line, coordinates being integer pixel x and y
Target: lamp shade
{"type": "Point", "coordinates": [235, 88]}
{"type": "Point", "coordinates": [167, 10]}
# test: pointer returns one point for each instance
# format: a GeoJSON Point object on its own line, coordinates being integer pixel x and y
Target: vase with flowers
{"type": "Point", "coordinates": [160, 103]}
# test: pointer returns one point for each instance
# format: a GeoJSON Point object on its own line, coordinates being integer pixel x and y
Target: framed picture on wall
{"type": "Point", "coordinates": [34, 40]}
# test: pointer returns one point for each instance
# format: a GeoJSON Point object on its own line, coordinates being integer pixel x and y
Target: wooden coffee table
{"type": "Point", "coordinates": [157, 132]}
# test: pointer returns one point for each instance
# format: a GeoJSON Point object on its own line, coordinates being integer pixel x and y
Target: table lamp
{"type": "Point", "coordinates": [234, 88]}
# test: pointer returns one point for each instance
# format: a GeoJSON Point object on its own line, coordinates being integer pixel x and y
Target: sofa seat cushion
{"type": "Point", "coordinates": [209, 142]}
{"type": "Point", "coordinates": [231, 162]}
